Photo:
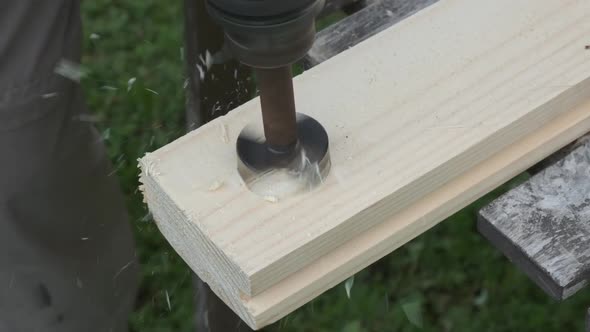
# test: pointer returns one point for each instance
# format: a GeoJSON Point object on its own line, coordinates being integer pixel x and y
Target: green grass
{"type": "Point", "coordinates": [448, 279]}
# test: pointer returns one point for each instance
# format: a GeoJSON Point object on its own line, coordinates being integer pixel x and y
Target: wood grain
{"type": "Point", "coordinates": [408, 112]}
{"type": "Point", "coordinates": [333, 268]}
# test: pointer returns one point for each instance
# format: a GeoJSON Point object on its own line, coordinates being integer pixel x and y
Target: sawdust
{"type": "Point", "coordinates": [70, 70]}
{"type": "Point", "coordinates": [148, 166]}
{"type": "Point", "coordinates": [272, 199]}
{"type": "Point", "coordinates": [201, 72]}
{"type": "Point", "coordinates": [216, 185]}
{"type": "Point", "coordinates": [130, 83]}
{"type": "Point", "coordinates": [50, 95]}
{"type": "Point", "coordinates": [224, 134]}
{"type": "Point", "coordinates": [283, 183]}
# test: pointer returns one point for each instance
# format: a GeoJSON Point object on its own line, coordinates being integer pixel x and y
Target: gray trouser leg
{"type": "Point", "coordinates": [66, 251]}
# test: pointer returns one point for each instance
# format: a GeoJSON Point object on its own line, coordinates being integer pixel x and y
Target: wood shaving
{"type": "Point", "coordinates": [272, 199]}
{"type": "Point", "coordinates": [215, 185]}
{"type": "Point", "coordinates": [224, 134]}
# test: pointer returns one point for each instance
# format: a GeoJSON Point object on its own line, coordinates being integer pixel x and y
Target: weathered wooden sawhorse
{"type": "Point", "coordinates": [542, 226]}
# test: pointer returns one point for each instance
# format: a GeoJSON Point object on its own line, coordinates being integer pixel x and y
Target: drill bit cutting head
{"type": "Point", "coordinates": [281, 173]}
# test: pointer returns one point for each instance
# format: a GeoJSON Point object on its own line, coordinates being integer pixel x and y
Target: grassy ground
{"type": "Point", "coordinates": [448, 279]}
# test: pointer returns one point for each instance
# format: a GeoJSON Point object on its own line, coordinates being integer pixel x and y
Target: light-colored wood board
{"type": "Point", "coordinates": [407, 111]}
{"type": "Point", "coordinates": [358, 253]}
{"type": "Point", "coordinates": [377, 242]}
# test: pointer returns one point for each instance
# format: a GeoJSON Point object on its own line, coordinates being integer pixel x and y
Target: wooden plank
{"type": "Point", "coordinates": [367, 248]}
{"type": "Point", "coordinates": [543, 225]}
{"type": "Point", "coordinates": [346, 260]}
{"type": "Point", "coordinates": [376, 17]}
{"type": "Point", "coordinates": [491, 77]}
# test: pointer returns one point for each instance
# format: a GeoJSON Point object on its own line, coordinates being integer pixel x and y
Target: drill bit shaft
{"type": "Point", "coordinates": [278, 107]}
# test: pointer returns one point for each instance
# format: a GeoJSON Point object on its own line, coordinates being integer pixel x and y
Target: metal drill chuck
{"type": "Point", "coordinates": [267, 33]}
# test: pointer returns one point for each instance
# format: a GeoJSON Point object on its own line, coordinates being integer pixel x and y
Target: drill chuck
{"type": "Point", "coordinates": [267, 33]}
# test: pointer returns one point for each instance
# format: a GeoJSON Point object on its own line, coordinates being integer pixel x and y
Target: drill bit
{"type": "Point", "coordinates": [277, 103]}
{"type": "Point", "coordinates": [278, 106]}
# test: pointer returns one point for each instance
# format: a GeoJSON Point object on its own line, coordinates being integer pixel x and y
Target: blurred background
{"type": "Point", "coordinates": [449, 279]}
